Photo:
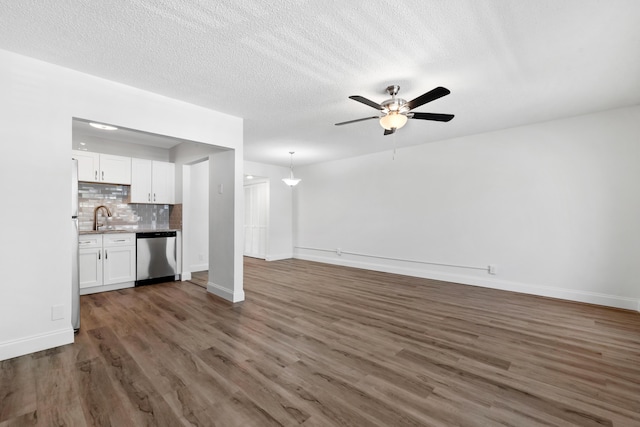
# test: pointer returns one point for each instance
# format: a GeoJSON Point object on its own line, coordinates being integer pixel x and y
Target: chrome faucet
{"type": "Point", "coordinates": [95, 216]}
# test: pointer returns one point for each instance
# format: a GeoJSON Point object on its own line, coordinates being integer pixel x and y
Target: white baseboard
{"type": "Point", "coordinates": [225, 293]}
{"type": "Point", "coordinates": [525, 288]}
{"type": "Point", "coordinates": [279, 257]}
{"type": "Point", "coordinates": [34, 343]}
{"type": "Point", "coordinates": [185, 276]}
{"type": "Point", "coordinates": [105, 288]}
{"type": "Point", "coordinates": [199, 267]}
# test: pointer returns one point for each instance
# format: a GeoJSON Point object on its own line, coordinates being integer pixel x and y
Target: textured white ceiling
{"type": "Point", "coordinates": [287, 67]}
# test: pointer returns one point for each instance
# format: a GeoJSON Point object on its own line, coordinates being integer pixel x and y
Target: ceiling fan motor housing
{"type": "Point", "coordinates": [394, 104]}
{"type": "Point", "coordinates": [398, 105]}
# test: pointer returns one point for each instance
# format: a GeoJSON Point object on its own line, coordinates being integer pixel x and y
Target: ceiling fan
{"type": "Point", "coordinates": [396, 111]}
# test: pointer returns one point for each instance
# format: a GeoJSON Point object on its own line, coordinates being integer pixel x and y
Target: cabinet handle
{"type": "Point", "coordinates": [106, 254]}
{"type": "Point", "coordinates": [99, 256]}
{"type": "Point", "coordinates": [103, 175]}
{"type": "Point", "coordinates": [154, 197]}
{"type": "Point", "coordinates": [148, 197]}
{"type": "Point", "coordinates": [85, 242]}
{"type": "Point", "coordinates": [120, 240]}
{"type": "Point", "coordinates": [96, 175]}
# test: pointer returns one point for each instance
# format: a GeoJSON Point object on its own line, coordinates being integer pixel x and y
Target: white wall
{"type": "Point", "coordinates": [225, 266]}
{"type": "Point", "coordinates": [225, 242]}
{"type": "Point", "coordinates": [37, 105]}
{"type": "Point", "coordinates": [554, 206]}
{"type": "Point", "coordinates": [280, 236]}
{"type": "Point", "coordinates": [198, 217]}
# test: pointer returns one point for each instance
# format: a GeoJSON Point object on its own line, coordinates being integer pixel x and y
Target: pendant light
{"type": "Point", "coordinates": [290, 180]}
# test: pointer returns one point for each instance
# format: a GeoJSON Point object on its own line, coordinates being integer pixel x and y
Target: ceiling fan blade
{"type": "Point", "coordinates": [389, 131]}
{"type": "Point", "coordinates": [357, 120]}
{"type": "Point", "coordinates": [432, 95]}
{"type": "Point", "coordinates": [432, 116]}
{"type": "Point", "coordinates": [366, 101]}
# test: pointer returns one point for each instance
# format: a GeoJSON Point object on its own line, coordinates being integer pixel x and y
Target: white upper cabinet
{"type": "Point", "coordinates": [140, 181]}
{"type": "Point", "coordinates": [152, 182]}
{"type": "Point", "coordinates": [163, 176]}
{"type": "Point", "coordinates": [115, 169]}
{"type": "Point", "coordinates": [106, 168]}
{"type": "Point", "coordinates": [88, 165]}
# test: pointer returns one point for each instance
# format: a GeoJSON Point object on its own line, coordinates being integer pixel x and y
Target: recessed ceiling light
{"type": "Point", "coordinates": [249, 176]}
{"type": "Point", "coordinates": [83, 143]}
{"type": "Point", "coordinates": [103, 127]}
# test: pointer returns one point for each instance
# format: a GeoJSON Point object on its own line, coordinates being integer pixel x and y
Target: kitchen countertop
{"type": "Point", "coordinates": [137, 230]}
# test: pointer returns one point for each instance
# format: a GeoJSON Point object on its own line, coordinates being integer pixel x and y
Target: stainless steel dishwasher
{"type": "Point", "coordinates": [156, 257]}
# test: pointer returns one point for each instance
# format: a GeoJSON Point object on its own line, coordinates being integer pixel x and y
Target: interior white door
{"type": "Point", "coordinates": [256, 219]}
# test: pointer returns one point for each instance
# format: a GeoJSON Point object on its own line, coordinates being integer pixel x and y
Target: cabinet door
{"type": "Point", "coordinates": [140, 181]}
{"type": "Point", "coordinates": [88, 165]}
{"type": "Point", "coordinates": [90, 263]}
{"type": "Point", "coordinates": [119, 264]}
{"type": "Point", "coordinates": [115, 169]}
{"type": "Point", "coordinates": [163, 183]}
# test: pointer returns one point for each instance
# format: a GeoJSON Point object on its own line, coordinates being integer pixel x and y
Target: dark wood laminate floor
{"type": "Point", "coordinates": [320, 345]}
{"type": "Point", "coordinates": [200, 278]}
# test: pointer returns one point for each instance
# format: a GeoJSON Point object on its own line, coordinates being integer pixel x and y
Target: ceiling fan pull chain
{"type": "Point", "coordinates": [394, 146]}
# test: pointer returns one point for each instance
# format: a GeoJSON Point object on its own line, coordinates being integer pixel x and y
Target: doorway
{"type": "Point", "coordinates": [196, 220]}
{"type": "Point", "coordinates": [256, 217]}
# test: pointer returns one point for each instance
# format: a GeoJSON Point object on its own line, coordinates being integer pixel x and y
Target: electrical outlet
{"type": "Point", "coordinates": [339, 251]}
{"type": "Point", "coordinates": [57, 312]}
{"type": "Point", "coordinates": [492, 269]}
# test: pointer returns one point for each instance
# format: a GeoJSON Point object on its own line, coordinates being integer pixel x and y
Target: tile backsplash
{"type": "Point", "coordinates": [133, 216]}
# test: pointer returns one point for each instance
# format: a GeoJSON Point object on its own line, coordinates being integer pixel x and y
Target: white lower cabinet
{"type": "Point", "coordinates": [119, 258]}
{"type": "Point", "coordinates": [107, 262]}
{"type": "Point", "coordinates": [90, 261]}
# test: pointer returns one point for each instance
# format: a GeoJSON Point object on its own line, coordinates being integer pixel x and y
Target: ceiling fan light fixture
{"type": "Point", "coordinates": [393, 120]}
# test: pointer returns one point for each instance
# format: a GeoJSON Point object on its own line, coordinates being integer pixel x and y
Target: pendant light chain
{"type": "Point", "coordinates": [291, 164]}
